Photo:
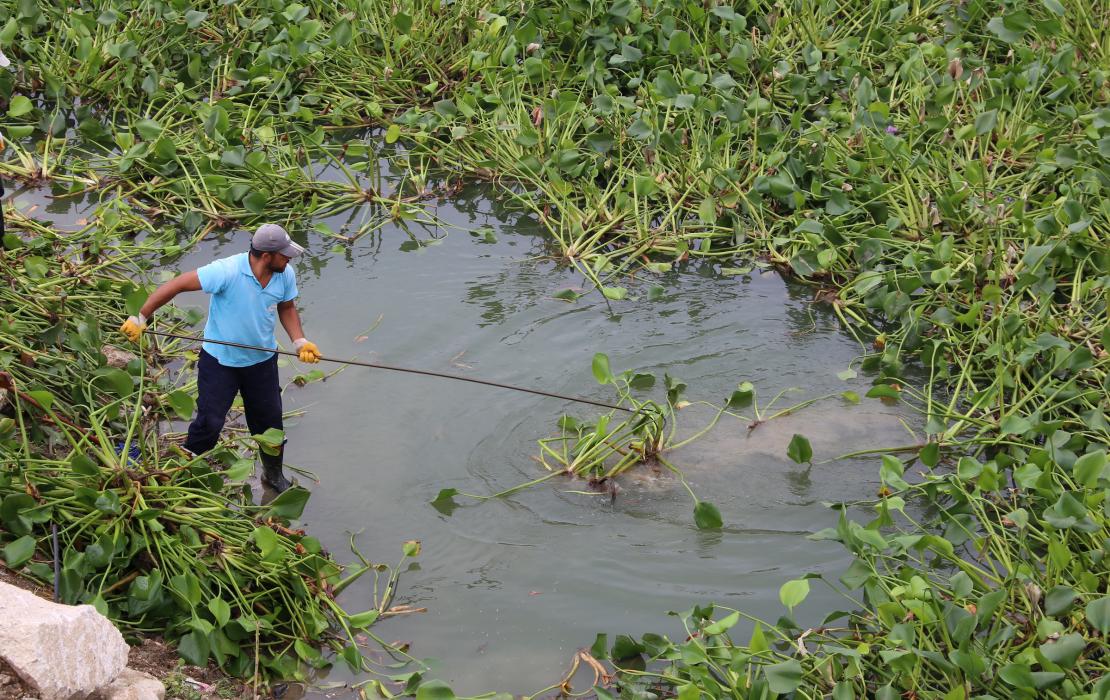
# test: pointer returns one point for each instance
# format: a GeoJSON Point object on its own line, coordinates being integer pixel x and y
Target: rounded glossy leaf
{"type": "Point", "coordinates": [799, 449]}
{"type": "Point", "coordinates": [794, 592]}
{"type": "Point", "coordinates": [1065, 650]}
{"type": "Point", "coordinates": [601, 369]}
{"type": "Point", "coordinates": [707, 517]}
{"type": "Point", "coordinates": [1098, 614]}
{"type": "Point", "coordinates": [19, 552]}
{"type": "Point", "coordinates": [785, 677]}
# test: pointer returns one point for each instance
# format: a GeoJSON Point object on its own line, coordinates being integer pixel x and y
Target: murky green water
{"type": "Point", "coordinates": [513, 587]}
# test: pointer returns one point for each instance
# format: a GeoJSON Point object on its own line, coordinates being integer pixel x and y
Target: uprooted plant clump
{"type": "Point", "coordinates": [159, 541]}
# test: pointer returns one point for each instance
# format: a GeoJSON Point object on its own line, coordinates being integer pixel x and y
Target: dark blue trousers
{"type": "Point", "coordinates": [217, 386]}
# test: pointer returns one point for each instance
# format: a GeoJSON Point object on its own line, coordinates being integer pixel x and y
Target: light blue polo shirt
{"type": "Point", "coordinates": [241, 310]}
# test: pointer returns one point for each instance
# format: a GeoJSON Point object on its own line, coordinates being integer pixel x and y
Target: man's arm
{"type": "Point", "coordinates": [291, 322]}
{"type": "Point", "coordinates": [185, 282]}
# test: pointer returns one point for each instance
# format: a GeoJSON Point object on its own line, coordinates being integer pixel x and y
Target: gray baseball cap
{"type": "Point", "coordinates": [271, 238]}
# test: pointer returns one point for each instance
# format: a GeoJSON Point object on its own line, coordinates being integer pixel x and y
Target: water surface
{"type": "Point", "coordinates": [514, 586]}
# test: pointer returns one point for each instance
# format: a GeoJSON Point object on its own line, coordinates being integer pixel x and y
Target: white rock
{"type": "Point", "coordinates": [133, 685]}
{"type": "Point", "coordinates": [62, 652]}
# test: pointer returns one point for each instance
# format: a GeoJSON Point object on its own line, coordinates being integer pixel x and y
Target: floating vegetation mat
{"type": "Point", "coordinates": [937, 171]}
{"type": "Point", "coordinates": [159, 541]}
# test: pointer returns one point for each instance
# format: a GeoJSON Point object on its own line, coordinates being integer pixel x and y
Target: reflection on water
{"type": "Point", "coordinates": [514, 586]}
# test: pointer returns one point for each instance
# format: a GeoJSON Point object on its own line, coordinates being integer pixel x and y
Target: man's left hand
{"type": "Point", "coordinates": [307, 351]}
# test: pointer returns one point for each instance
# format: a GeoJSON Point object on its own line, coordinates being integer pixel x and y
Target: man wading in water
{"type": "Point", "coordinates": [246, 291]}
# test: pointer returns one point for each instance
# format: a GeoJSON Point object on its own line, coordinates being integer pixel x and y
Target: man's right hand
{"type": "Point", "coordinates": [133, 327]}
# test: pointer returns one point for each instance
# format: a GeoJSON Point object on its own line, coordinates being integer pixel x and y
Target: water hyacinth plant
{"type": "Point", "coordinates": [159, 541]}
{"type": "Point", "coordinates": [937, 171]}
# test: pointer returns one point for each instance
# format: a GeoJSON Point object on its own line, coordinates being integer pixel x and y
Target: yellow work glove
{"type": "Point", "coordinates": [307, 351]}
{"type": "Point", "coordinates": [133, 327]}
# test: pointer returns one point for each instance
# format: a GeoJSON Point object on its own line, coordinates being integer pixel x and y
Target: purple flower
{"type": "Point", "coordinates": [891, 129]}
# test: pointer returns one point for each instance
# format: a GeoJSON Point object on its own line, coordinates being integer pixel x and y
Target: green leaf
{"type": "Point", "coordinates": [342, 33]}
{"type": "Point", "coordinates": [115, 381]}
{"type": "Point", "coordinates": [799, 449]}
{"type": "Point", "coordinates": [890, 473]}
{"type": "Point", "coordinates": [352, 657]}
{"type": "Point", "coordinates": [183, 403]}
{"type": "Point", "coordinates": [785, 677]}
{"type": "Point", "coordinates": [985, 122]}
{"type": "Point", "coordinates": [268, 544]}
{"type": "Point", "coordinates": [614, 293]}
{"type": "Point", "coordinates": [688, 691]}
{"type": "Point", "coordinates": [188, 587]}
{"type": "Point", "coordinates": [707, 211]}
{"type": "Point", "coordinates": [195, 18]}
{"type": "Point", "coordinates": [220, 610]}
{"type": "Point", "coordinates": [1098, 614]}
{"type": "Point", "coordinates": [445, 497]}
{"type": "Point", "coordinates": [363, 619]}
{"type": "Point", "coordinates": [968, 469]}
{"type": "Point", "coordinates": [758, 642]}
{"type": "Point", "coordinates": [1014, 425]}
{"type": "Point", "coordinates": [289, 504]}
{"type": "Point", "coordinates": [19, 552]}
{"type": "Point", "coordinates": [1017, 675]}
{"type": "Point", "coordinates": [271, 440]}
{"type": "Point", "coordinates": [743, 396]}
{"type": "Point", "coordinates": [930, 454]}
{"type": "Point", "coordinates": [679, 42]}
{"type": "Point", "coordinates": [883, 391]}
{"type": "Point", "coordinates": [19, 106]}
{"type": "Point", "coordinates": [446, 109]}
{"type": "Point", "coordinates": [998, 27]}
{"type": "Point", "coordinates": [601, 369]}
{"type": "Point", "coordinates": [626, 647]}
{"type": "Point", "coordinates": [392, 133]}
{"type": "Point", "coordinates": [402, 22]}
{"type": "Point", "coordinates": [194, 648]}
{"type": "Point", "coordinates": [1054, 6]}
{"type": "Point", "coordinates": [255, 202]}
{"type": "Point", "coordinates": [1088, 468]}
{"type": "Point", "coordinates": [239, 470]}
{"type": "Point", "coordinates": [148, 129]}
{"type": "Point", "coordinates": [567, 295]}
{"type": "Point", "coordinates": [675, 387]}
{"type": "Point", "coordinates": [84, 465]}
{"type": "Point", "coordinates": [1059, 600]}
{"type": "Point", "coordinates": [792, 593]}
{"type": "Point", "coordinates": [707, 517]}
{"type": "Point", "coordinates": [723, 625]}
{"type": "Point", "coordinates": [1065, 650]}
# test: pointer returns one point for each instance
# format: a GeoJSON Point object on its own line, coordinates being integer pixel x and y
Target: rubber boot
{"type": "Point", "coordinates": [271, 471]}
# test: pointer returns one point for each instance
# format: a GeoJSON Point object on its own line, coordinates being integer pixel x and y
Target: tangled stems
{"type": "Point", "coordinates": [936, 172]}
{"type": "Point", "coordinates": [159, 541]}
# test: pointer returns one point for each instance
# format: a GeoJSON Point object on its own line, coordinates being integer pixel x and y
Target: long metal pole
{"type": "Point", "coordinates": [393, 368]}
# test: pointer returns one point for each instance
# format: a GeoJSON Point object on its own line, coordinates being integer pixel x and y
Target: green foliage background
{"type": "Point", "coordinates": [937, 170]}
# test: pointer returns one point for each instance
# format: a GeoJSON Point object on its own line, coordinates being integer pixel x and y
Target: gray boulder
{"type": "Point", "coordinates": [61, 652]}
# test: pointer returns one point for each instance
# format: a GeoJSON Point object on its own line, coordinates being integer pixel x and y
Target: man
{"type": "Point", "coordinates": [247, 289]}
